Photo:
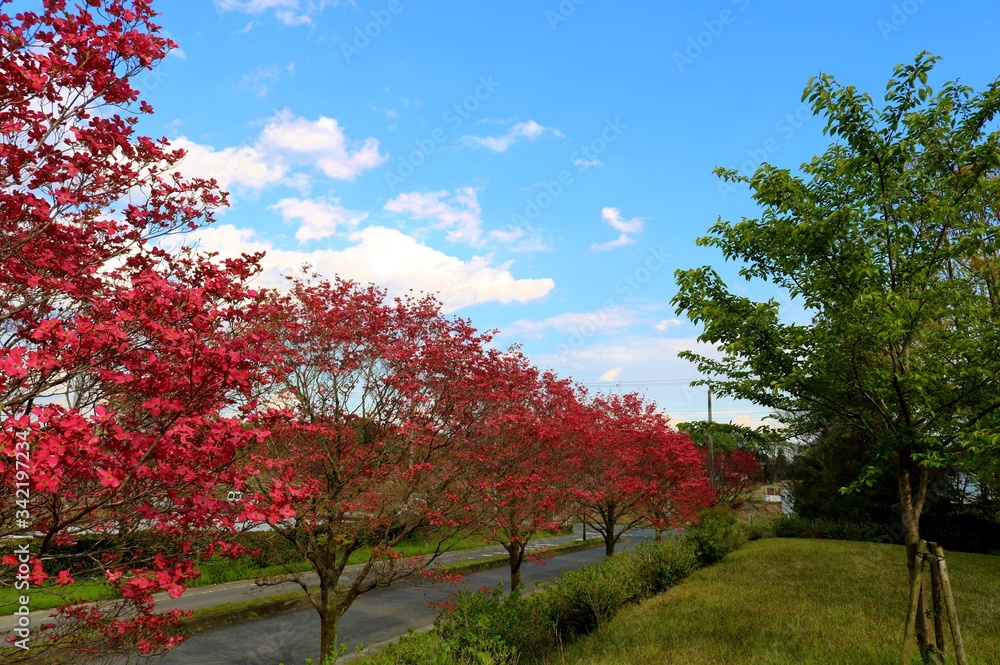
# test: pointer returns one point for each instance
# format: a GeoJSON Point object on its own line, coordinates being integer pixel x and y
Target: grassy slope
{"type": "Point", "coordinates": [795, 601]}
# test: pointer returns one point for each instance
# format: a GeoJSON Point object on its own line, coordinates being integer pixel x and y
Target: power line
{"type": "Point", "coordinates": [652, 382]}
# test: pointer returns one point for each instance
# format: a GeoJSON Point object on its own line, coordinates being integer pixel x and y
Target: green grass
{"type": "Point", "coordinates": [216, 570]}
{"type": "Point", "coordinates": [800, 602]}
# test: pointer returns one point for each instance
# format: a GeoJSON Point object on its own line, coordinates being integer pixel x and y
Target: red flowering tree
{"type": "Point", "coordinates": [517, 462]}
{"type": "Point", "coordinates": [377, 397]}
{"type": "Point", "coordinates": [737, 476]}
{"type": "Point", "coordinates": [126, 371]}
{"type": "Point", "coordinates": [634, 468]}
{"type": "Point", "coordinates": [679, 486]}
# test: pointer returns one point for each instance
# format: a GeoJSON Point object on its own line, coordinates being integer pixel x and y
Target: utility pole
{"type": "Point", "coordinates": [711, 448]}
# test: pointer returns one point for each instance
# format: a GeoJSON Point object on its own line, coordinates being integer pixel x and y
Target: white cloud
{"type": "Point", "coordinates": [582, 323]}
{"type": "Point", "coordinates": [613, 218]}
{"type": "Point", "coordinates": [322, 142]}
{"type": "Point", "coordinates": [625, 227]}
{"type": "Point", "coordinates": [461, 216]}
{"type": "Point", "coordinates": [507, 236]}
{"type": "Point", "coordinates": [667, 324]}
{"type": "Point", "coordinates": [653, 369]}
{"type": "Point", "coordinates": [286, 142]}
{"type": "Point", "coordinates": [247, 166]}
{"type": "Point", "coordinates": [639, 352]}
{"type": "Point", "coordinates": [290, 17]}
{"type": "Point", "coordinates": [620, 241]}
{"type": "Point", "coordinates": [289, 12]}
{"type": "Point", "coordinates": [584, 164]}
{"type": "Point", "coordinates": [388, 258]}
{"type": "Point", "coordinates": [263, 77]}
{"type": "Point", "coordinates": [518, 239]}
{"type": "Point", "coordinates": [318, 218]}
{"type": "Point", "coordinates": [529, 130]}
{"type": "Point", "coordinates": [611, 374]}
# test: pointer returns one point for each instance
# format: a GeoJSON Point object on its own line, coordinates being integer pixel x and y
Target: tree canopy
{"type": "Point", "coordinates": [888, 240]}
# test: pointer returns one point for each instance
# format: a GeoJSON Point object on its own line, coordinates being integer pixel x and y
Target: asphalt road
{"type": "Point", "coordinates": [376, 617]}
{"type": "Point", "coordinates": [230, 592]}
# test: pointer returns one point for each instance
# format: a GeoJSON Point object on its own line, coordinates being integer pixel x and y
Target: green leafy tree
{"type": "Point", "coordinates": [888, 240]}
{"type": "Point", "coordinates": [769, 445]}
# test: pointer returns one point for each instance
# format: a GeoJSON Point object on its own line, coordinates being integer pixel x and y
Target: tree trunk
{"type": "Point", "coordinates": [329, 649]}
{"type": "Point", "coordinates": [911, 504]}
{"type": "Point", "coordinates": [330, 611]}
{"type": "Point", "coordinates": [515, 553]}
{"type": "Point", "coordinates": [610, 518]}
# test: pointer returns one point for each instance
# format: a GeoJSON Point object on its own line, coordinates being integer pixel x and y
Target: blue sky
{"type": "Point", "coordinates": [543, 166]}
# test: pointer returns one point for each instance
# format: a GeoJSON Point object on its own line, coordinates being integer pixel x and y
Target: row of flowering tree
{"type": "Point", "coordinates": [389, 420]}
{"type": "Point", "coordinates": [140, 385]}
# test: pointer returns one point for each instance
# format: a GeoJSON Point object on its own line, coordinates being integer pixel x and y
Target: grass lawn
{"type": "Point", "coordinates": [794, 601]}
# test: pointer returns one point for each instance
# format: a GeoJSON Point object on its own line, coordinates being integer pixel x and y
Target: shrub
{"type": "Point", "coordinates": [792, 526]}
{"type": "Point", "coordinates": [756, 530]}
{"type": "Point", "coordinates": [661, 565]}
{"type": "Point", "coordinates": [496, 628]}
{"type": "Point", "coordinates": [413, 649]}
{"type": "Point", "coordinates": [716, 533]}
{"type": "Point", "coordinates": [579, 601]}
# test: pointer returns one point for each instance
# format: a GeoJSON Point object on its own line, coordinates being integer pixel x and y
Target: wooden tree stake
{"type": "Point", "coordinates": [949, 599]}
{"type": "Point", "coordinates": [936, 597]}
{"type": "Point", "coordinates": [915, 583]}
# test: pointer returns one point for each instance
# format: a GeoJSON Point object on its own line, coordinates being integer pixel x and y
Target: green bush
{"type": "Point", "coordinates": [413, 649]}
{"type": "Point", "coordinates": [792, 526]}
{"type": "Point", "coordinates": [493, 627]}
{"type": "Point", "coordinates": [659, 566]}
{"type": "Point", "coordinates": [716, 533]}
{"type": "Point", "coordinates": [756, 530]}
{"type": "Point", "coordinates": [581, 600]}
{"type": "Point", "coordinates": [497, 629]}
